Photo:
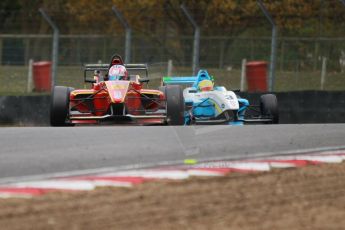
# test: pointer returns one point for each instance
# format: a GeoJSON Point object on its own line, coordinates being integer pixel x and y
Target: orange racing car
{"type": "Point", "coordinates": [117, 96]}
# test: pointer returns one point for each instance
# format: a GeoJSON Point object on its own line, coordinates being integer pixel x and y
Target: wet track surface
{"type": "Point", "coordinates": [45, 150]}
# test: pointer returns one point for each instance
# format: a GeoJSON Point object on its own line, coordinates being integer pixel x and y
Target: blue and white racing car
{"type": "Point", "coordinates": [209, 104]}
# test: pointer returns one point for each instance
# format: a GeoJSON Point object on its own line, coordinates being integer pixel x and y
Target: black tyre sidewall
{"type": "Point", "coordinates": [269, 106]}
{"type": "Point", "coordinates": [175, 104]}
{"type": "Point", "coordinates": [59, 106]}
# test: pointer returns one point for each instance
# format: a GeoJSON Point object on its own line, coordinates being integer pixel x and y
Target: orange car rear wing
{"type": "Point", "coordinates": [105, 68]}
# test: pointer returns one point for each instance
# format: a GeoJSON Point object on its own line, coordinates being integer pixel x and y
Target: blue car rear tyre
{"type": "Point", "coordinates": [269, 107]}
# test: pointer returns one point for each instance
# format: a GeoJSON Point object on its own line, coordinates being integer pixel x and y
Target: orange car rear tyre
{"type": "Point", "coordinates": [175, 105]}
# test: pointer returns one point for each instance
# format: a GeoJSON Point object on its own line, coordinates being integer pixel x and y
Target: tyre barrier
{"type": "Point", "coordinates": [24, 110]}
{"type": "Point", "coordinates": [307, 106]}
{"type": "Point", "coordinates": [294, 108]}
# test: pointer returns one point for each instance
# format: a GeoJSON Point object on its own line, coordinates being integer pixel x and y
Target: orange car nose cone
{"type": "Point", "coordinates": [117, 90]}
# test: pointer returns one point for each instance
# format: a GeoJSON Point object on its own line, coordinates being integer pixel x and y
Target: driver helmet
{"type": "Point", "coordinates": [118, 72]}
{"type": "Point", "coordinates": [205, 85]}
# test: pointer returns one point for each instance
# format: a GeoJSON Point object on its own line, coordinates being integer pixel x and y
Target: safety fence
{"type": "Point", "coordinates": [300, 61]}
{"type": "Point", "coordinates": [294, 53]}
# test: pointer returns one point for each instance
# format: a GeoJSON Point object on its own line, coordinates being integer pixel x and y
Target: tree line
{"type": "Point", "coordinates": [215, 17]}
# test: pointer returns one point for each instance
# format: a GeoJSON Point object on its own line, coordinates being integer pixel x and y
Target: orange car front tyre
{"type": "Point", "coordinates": [59, 106]}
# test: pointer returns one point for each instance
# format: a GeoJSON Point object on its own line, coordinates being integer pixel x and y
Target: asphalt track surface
{"type": "Point", "coordinates": [28, 151]}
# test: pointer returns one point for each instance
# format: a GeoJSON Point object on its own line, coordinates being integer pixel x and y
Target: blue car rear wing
{"type": "Point", "coordinates": [179, 80]}
{"type": "Point", "coordinates": [188, 80]}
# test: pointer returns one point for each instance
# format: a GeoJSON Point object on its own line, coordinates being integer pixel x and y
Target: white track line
{"type": "Point", "coordinates": [240, 165]}
{"type": "Point", "coordinates": [281, 165]}
{"type": "Point", "coordinates": [70, 184]}
{"type": "Point", "coordinates": [203, 172]}
{"type": "Point", "coordinates": [315, 158]}
{"type": "Point", "coordinates": [6, 195]}
{"type": "Point", "coordinates": [57, 184]}
{"type": "Point", "coordinates": [153, 174]}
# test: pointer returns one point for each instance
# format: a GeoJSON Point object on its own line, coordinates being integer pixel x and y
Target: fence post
{"type": "Point", "coordinates": [282, 55]}
{"type": "Point", "coordinates": [221, 54]}
{"type": "Point", "coordinates": [251, 49]}
{"type": "Point", "coordinates": [273, 45]}
{"type": "Point", "coordinates": [323, 73]}
{"type": "Point", "coordinates": [196, 45]}
{"type": "Point", "coordinates": [170, 66]}
{"type": "Point", "coordinates": [29, 87]}
{"type": "Point", "coordinates": [316, 54]}
{"type": "Point", "coordinates": [55, 52]}
{"type": "Point", "coordinates": [128, 32]}
{"type": "Point", "coordinates": [243, 74]}
{"type": "Point", "coordinates": [104, 52]}
{"type": "Point", "coordinates": [26, 50]}
{"type": "Point", "coordinates": [0, 51]}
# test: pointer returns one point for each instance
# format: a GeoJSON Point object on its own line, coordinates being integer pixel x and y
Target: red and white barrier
{"type": "Point", "coordinates": [129, 178]}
